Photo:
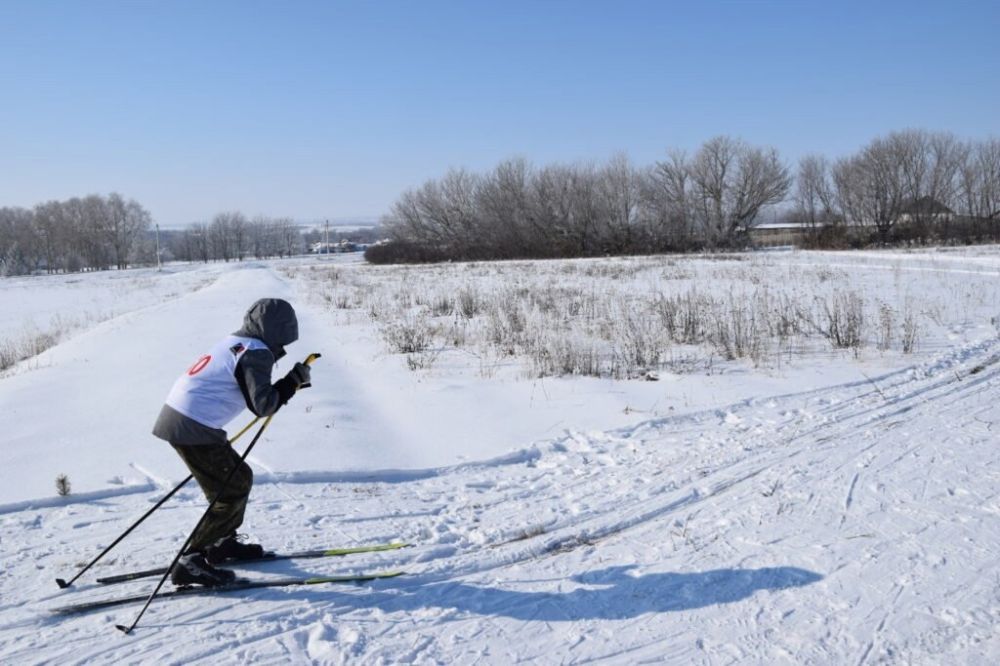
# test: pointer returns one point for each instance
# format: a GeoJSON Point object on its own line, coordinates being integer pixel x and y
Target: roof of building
{"type": "Point", "coordinates": [926, 205]}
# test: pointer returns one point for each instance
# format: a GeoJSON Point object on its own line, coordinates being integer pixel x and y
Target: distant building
{"type": "Point", "coordinates": [320, 247]}
{"type": "Point", "coordinates": [772, 234]}
{"type": "Point", "coordinates": [925, 209]}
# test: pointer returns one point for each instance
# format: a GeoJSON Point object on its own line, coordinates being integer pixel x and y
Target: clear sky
{"type": "Point", "coordinates": [331, 109]}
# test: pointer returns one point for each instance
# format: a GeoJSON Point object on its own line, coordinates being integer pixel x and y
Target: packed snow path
{"type": "Point", "coordinates": [853, 524]}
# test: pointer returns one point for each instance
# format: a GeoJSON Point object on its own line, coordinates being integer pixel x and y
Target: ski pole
{"type": "Point", "coordinates": [204, 517]}
{"type": "Point", "coordinates": [64, 584]}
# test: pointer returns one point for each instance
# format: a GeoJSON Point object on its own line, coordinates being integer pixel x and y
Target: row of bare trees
{"type": "Point", "coordinates": [89, 233]}
{"type": "Point", "coordinates": [231, 236]}
{"type": "Point", "coordinates": [913, 186]}
{"type": "Point", "coordinates": [709, 199]}
{"type": "Point", "coordinates": [98, 233]}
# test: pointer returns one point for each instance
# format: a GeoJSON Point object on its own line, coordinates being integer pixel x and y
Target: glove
{"type": "Point", "coordinates": [300, 376]}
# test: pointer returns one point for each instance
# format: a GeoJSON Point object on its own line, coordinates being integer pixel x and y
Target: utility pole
{"type": "Point", "coordinates": [326, 242]}
{"type": "Point", "coordinates": [158, 268]}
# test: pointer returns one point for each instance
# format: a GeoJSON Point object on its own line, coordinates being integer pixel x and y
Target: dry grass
{"type": "Point", "coordinates": [27, 346]}
{"type": "Point", "coordinates": [619, 318]}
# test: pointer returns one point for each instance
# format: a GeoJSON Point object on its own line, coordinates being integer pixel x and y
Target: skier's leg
{"type": "Point", "coordinates": [211, 465]}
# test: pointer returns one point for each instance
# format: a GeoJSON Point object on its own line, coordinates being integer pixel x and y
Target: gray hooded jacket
{"type": "Point", "coordinates": [273, 322]}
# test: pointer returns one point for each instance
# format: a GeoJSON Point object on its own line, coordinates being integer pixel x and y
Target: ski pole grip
{"type": "Point", "coordinates": [309, 359]}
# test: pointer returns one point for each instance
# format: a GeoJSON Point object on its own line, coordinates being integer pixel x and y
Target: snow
{"type": "Point", "coordinates": [830, 509]}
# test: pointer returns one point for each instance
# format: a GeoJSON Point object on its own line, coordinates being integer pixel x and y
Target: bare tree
{"type": "Point", "coordinates": [261, 237]}
{"type": "Point", "coordinates": [586, 212]}
{"type": "Point", "coordinates": [81, 220]}
{"type": "Point", "coordinates": [502, 215]}
{"type": "Point", "coordinates": [814, 195]}
{"type": "Point", "coordinates": [670, 202]}
{"type": "Point", "coordinates": [116, 228]}
{"type": "Point", "coordinates": [239, 232]}
{"type": "Point", "coordinates": [947, 154]}
{"type": "Point", "coordinates": [929, 166]}
{"type": "Point", "coordinates": [19, 251]}
{"type": "Point", "coordinates": [290, 237]}
{"type": "Point", "coordinates": [979, 180]}
{"type": "Point", "coordinates": [138, 220]}
{"type": "Point", "coordinates": [123, 223]}
{"type": "Point", "coordinates": [870, 186]}
{"type": "Point", "coordinates": [619, 189]}
{"type": "Point", "coordinates": [441, 215]}
{"type": "Point", "coordinates": [988, 159]}
{"type": "Point", "coordinates": [89, 224]}
{"type": "Point", "coordinates": [220, 233]}
{"type": "Point", "coordinates": [198, 243]}
{"type": "Point", "coordinates": [731, 182]}
{"type": "Point", "coordinates": [551, 203]}
{"type": "Point", "coordinates": [52, 232]}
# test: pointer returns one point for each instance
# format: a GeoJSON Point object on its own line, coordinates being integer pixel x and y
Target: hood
{"type": "Point", "coordinates": [272, 321]}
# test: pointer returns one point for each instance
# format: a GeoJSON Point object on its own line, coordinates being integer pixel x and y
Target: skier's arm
{"type": "Point", "coordinates": [253, 374]}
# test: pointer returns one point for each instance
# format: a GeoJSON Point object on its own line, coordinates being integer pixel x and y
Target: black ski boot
{"type": "Point", "coordinates": [230, 548]}
{"type": "Point", "coordinates": [192, 569]}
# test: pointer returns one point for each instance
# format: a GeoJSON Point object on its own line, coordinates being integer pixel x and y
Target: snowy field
{"type": "Point", "coordinates": [773, 458]}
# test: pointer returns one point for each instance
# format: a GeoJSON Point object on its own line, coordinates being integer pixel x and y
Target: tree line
{"type": "Point", "coordinates": [895, 189]}
{"type": "Point", "coordinates": [232, 236]}
{"type": "Point", "coordinates": [102, 232]}
{"type": "Point", "coordinates": [83, 233]}
{"type": "Point", "coordinates": [912, 186]}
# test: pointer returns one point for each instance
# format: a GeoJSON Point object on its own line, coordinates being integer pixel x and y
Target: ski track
{"type": "Point", "coordinates": [784, 530]}
{"type": "Point", "coordinates": [634, 490]}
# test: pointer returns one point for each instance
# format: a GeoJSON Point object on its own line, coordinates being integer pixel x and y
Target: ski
{"type": "Point", "coordinates": [236, 586]}
{"type": "Point", "coordinates": [329, 552]}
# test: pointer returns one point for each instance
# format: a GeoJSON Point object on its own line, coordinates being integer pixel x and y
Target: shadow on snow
{"type": "Point", "coordinates": [609, 594]}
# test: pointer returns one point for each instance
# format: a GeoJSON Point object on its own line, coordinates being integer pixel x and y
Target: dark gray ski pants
{"type": "Point", "coordinates": [210, 465]}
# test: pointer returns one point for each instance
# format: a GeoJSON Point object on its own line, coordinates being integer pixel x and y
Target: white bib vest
{"type": "Point", "coordinates": [208, 391]}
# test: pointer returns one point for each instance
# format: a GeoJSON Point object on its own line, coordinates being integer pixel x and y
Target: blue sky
{"type": "Point", "coordinates": [332, 109]}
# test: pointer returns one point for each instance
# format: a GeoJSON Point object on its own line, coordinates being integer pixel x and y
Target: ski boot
{"type": "Point", "coordinates": [193, 569]}
{"type": "Point", "coordinates": [230, 548]}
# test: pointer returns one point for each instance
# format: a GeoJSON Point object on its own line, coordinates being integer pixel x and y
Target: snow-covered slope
{"type": "Point", "coordinates": [852, 522]}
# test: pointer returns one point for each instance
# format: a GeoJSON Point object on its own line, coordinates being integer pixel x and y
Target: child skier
{"type": "Point", "coordinates": [234, 374]}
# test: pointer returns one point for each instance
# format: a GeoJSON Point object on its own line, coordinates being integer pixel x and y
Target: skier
{"type": "Point", "coordinates": [234, 374]}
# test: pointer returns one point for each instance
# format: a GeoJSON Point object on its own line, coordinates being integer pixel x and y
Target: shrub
{"type": "Point", "coordinates": [886, 322]}
{"type": "Point", "coordinates": [8, 355]}
{"type": "Point", "coordinates": [32, 344]}
{"type": "Point", "coordinates": [680, 316]}
{"type": "Point", "coordinates": [558, 355]}
{"type": "Point", "coordinates": [910, 331]}
{"type": "Point", "coordinates": [62, 485]}
{"type": "Point", "coordinates": [468, 302]}
{"type": "Point", "coordinates": [637, 343]}
{"type": "Point", "coordinates": [845, 319]}
{"type": "Point", "coordinates": [408, 335]}
{"type": "Point", "coordinates": [442, 306]}
{"type": "Point", "coordinates": [737, 331]}
{"type": "Point", "coordinates": [402, 252]}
